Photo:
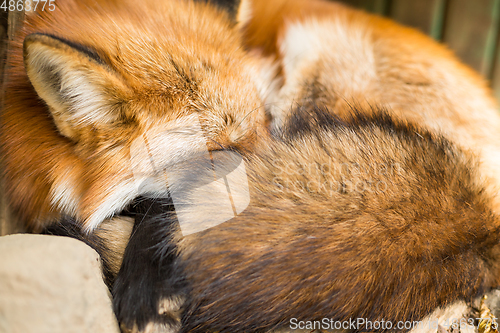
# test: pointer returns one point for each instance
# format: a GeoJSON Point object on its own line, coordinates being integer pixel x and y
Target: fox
{"type": "Point", "coordinates": [358, 158]}
{"type": "Point", "coordinates": [86, 79]}
{"type": "Point", "coordinates": [339, 226]}
{"type": "Point", "coordinates": [375, 197]}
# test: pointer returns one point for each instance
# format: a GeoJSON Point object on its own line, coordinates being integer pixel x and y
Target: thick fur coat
{"type": "Point", "coordinates": [374, 195]}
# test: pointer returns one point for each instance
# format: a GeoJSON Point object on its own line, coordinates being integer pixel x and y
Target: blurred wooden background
{"type": "Point", "coordinates": [9, 23]}
{"type": "Point", "coordinates": [469, 27]}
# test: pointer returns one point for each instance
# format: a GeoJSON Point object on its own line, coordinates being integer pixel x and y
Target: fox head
{"type": "Point", "coordinates": [88, 79]}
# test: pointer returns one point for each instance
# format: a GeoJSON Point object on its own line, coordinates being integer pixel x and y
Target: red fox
{"type": "Point", "coordinates": [374, 196]}
{"type": "Point", "coordinates": [86, 79]}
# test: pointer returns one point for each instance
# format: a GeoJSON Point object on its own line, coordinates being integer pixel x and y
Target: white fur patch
{"type": "Point", "coordinates": [334, 49]}
{"type": "Point", "coordinates": [170, 143]}
{"type": "Point", "coordinates": [346, 47]}
{"type": "Point", "coordinates": [490, 156]}
{"type": "Point", "coordinates": [161, 328]}
{"type": "Point", "coordinates": [88, 104]}
{"type": "Point", "coordinates": [163, 148]}
{"type": "Point", "coordinates": [154, 328]}
{"type": "Point", "coordinates": [63, 195]}
{"type": "Point", "coordinates": [171, 305]}
{"type": "Point", "coordinates": [120, 196]}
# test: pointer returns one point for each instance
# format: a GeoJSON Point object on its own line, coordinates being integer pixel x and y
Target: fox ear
{"type": "Point", "coordinates": [77, 86]}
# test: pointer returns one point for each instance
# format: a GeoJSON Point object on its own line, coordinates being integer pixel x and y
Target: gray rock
{"type": "Point", "coordinates": [52, 284]}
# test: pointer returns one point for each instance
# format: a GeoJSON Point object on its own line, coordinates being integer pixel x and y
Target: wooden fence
{"type": "Point", "coordinates": [469, 27]}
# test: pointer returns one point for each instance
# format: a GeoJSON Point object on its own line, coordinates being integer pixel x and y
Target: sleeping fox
{"type": "Point", "coordinates": [86, 79]}
{"type": "Point", "coordinates": [374, 196]}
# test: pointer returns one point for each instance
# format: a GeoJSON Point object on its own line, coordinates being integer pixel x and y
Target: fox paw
{"type": "Point", "coordinates": [138, 311]}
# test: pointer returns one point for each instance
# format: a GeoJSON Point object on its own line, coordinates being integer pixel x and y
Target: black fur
{"type": "Point", "coordinates": [150, 270]}
{"type": "Point", "coordinates": [88, 51]}
{"type": "Point", "coordinates": [311, 119]}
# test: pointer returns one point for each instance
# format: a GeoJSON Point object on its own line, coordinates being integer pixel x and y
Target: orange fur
{"type": "Point", "coordinates": [84, 162]}
{"type": "Point", "coordinates": [296, 251]}
{"type": "Point", "coordinates": [335, 56]}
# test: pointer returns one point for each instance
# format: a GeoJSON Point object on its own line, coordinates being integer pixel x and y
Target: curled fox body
{"type": "Point", "coordinates": [376, 196]}
{"type": "Point", "coordinates": [333, 56]}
